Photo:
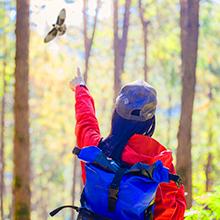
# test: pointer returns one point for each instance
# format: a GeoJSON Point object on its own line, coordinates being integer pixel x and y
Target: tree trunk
{"type": "Point", "coordinates": [2, 138]}
{"type": "Point", "coordinates": [209, 167]}
{"type": "Point", "coordinates": [169, 117]}
{"type": "Point", "coordinates": [2, 134]}
{"type": "Point", "coordinates": [21, 178]}
{"type": "Point", "coordinates": [189, 22]}
{"type": "Point", "coordinates": [88, 41]}
{"type": "Point", "coordinates": [120, 43]}
{"type": "Point", "coordinates": [74, 185]}
{"type": "Point", "coordinates": [208, 171]}
{"type": "Point", "coordinates": [145, 24]}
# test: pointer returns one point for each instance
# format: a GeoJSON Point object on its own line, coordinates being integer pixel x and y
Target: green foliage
{"type": "Point", "coordinates": [52, 103]}
{"type": "Point", "coordinates": [205, 207]}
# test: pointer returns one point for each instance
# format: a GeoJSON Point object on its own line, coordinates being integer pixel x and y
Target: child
{"type": "Point", "coordinates": [129, 141]}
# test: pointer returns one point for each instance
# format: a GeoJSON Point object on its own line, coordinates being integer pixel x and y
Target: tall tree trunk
{"type": "Point", "coordinates": [209, 167]}
{"type": "Point", "coordinates": [21, 178]}
{"type": "Point", "coordinates": [2, 134]}
{"type": "Point", "coordinates": [145, 24]}
{"type": "Point", "coordinates": [208, 171]}
{"type": "Point", "coordinates": [88, 41]}
{"type": "Point", "coordinates": [189, 22]}
{"type": "Point", "coordinates": [120, 43]}
{"type": "Point", "coordinates": [74, 185]}
{"type": "Point", "coordinates": [2, 138]}
{"type": "Point", "coordinates": [169, 117]}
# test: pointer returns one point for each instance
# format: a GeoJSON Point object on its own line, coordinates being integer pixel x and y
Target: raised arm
{"type": "Point", "coordinates": [86, 129]}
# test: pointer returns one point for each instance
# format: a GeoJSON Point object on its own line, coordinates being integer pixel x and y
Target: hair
{"type": "Point", "coordinates": [121, 131]}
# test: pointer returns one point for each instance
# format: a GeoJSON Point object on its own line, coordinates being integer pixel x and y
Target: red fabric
{"type": "Point", "coordinates": [170, 202]}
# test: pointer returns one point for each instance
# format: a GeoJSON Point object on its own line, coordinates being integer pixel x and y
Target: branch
{"type": "Point", "coordinates": [123, 40]}
{"type": "Point", "coordinates": [94, 26]}
{"type": "Point", "coordinates": [144, 21]}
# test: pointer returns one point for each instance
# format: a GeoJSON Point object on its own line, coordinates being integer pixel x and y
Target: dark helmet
{"type": "Point", "coordinates": [136, 101]}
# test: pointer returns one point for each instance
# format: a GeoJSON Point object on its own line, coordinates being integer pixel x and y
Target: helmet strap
{"type": "Point", "coordinates": [150, 131]}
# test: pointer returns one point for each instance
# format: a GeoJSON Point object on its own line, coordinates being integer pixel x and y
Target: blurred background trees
{"type": "Point", "coordinates": [114, 42]}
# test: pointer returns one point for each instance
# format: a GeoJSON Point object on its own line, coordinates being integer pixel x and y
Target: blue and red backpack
{"type": "Point", "coordinates": [116, 191]}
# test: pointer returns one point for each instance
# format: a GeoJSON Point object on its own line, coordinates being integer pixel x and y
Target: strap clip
{"type": "Point", "coordinates": [76, 150]}
{"type": "Point", "coordinates": [177, 179]}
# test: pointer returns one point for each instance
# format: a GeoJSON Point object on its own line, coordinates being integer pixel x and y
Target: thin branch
{"type": "Point", "coordinates": [123, 40]}
{"type": "Point", "coordinates": [145, 24]}
{"type": "Point", "coordinates": [88, 41]}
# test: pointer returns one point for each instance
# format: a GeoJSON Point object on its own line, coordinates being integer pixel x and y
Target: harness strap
{"type": "Point", "coordinates": [148, 214]}
{"type": "Point", "coordinates": [85, 214]}
{"type": "Point", "coordinates": [148, 173]}
{"type": "Point", "coordinates": [114, 189]}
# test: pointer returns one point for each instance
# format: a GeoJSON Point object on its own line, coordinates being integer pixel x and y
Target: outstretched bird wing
{"type": "Point", "coordinates": [51, 35]}
{"type": "Point", "coordinates": [61, 17]}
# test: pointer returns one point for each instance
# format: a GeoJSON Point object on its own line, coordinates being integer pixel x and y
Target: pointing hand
{"type": "Point", "coordinates": [77, 80]}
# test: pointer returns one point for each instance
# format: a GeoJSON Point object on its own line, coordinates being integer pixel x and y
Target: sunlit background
{"type": "Point", "coordinates": [54, 64]}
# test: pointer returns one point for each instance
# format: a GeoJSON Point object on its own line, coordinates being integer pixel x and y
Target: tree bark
{"type": "Point", "coordinates": [209, 165]}
{"type": "Point", "coordinates": [21, 175]}
{"type": "Point", "coordinates": [88, 41]}
{"type": "Point", "coordinates": [2, 138]}
{"type": "Point", "coordinates": [169, 115]}
{"type": "Point", "coordinates": [145, 24]}
{"type": "Point", "coordinates": [189, 22]}
{"type": "Point", "coordinates": [208, 171]}
{"type": "Point", "coordinates": [120, 43]}
{"type": "Point", "coordinates": [74, 185]}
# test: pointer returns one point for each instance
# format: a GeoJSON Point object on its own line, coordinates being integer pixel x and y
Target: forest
{"type": "Point", "coordinates": [172, 44]}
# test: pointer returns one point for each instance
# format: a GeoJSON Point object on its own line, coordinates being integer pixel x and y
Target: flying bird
{"type": "Point", "coordinates": [59, 28]}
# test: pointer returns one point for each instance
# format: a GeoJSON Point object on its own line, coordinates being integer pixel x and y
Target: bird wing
{"type": "Point", "coordinates": [51, 35]}
{"type": "Point", "coordinates": [61, 17]}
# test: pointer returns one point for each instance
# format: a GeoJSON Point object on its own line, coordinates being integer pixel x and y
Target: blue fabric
{"type": "Point", "coordinates": [89, 154]}
{"type": "Point", "coordinates": [135, 192]}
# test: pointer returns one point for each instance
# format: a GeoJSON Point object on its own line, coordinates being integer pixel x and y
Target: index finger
{"type": "Point", "coordinates": [78, 72]}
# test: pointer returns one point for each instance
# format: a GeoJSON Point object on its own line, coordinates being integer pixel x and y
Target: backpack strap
{"type": "Point", "coordinates": [55, 211]}
{"type": "Point", "coordinates": [149, 212]}
{"type": "Point", "coordinates": [177, 179]}
{"type": "Point", "coordinates": [85, 214]}
{"type": "Point", "coordinates": [114, 189]}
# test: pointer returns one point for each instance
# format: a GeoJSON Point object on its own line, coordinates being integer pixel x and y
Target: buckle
{"type": "Point", "coordinates": [113, 193]}
{"type": "Point", "coordinates": [179, 182]}
{"type": "Point", "coordinates": [76, 150]}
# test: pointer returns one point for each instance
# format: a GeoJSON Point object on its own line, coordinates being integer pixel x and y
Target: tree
{"type": "Point", "coordinates": [209, 163]}
{"type": "Point", "coordinates": [120, 43]}
{"type": "Point", "coordinates": [88, 41]}
{"type": "Point", "coordinates": [145, 23]}
{"type": "Point", "coordinates": [189, 22]}
{"type": "Point", "coordinates": [2, 136]}
{"type": "Point", "coordinates": [21, 175]}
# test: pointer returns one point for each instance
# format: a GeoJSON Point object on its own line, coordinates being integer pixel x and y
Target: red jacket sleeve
{"type": "Point", "coordinates": [87, 129]}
